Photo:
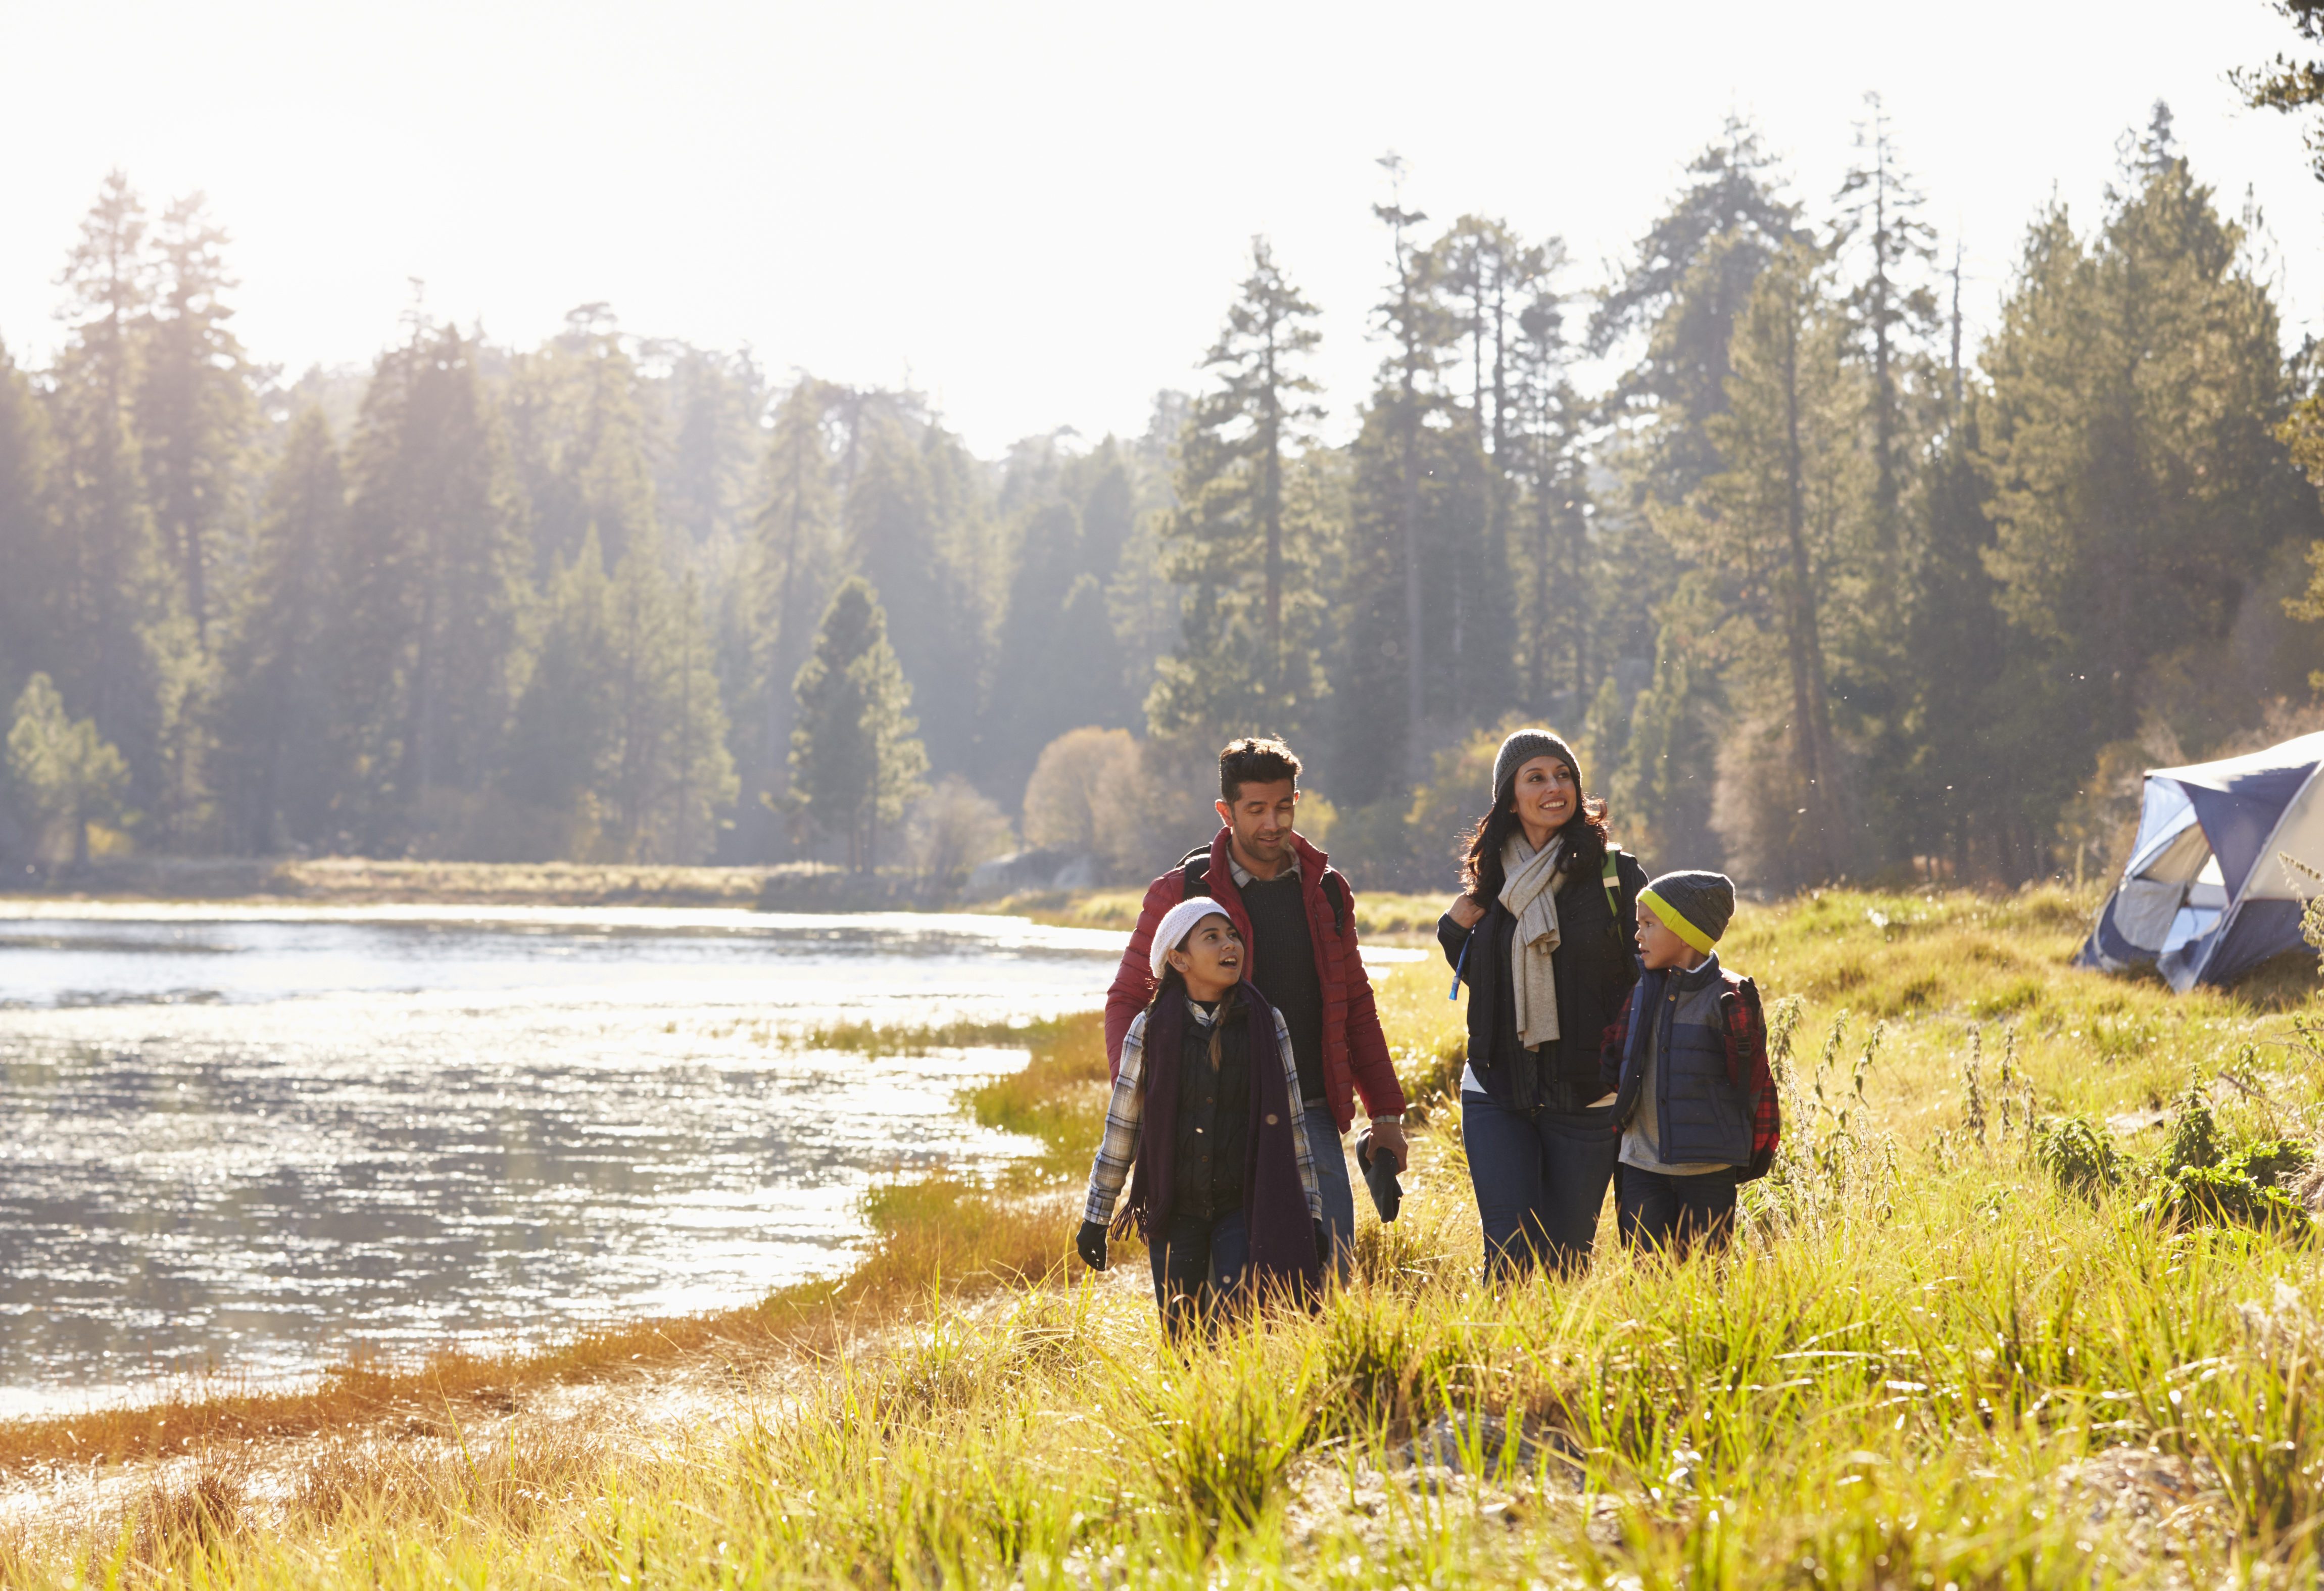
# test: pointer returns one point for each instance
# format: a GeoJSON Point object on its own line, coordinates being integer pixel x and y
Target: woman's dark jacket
{"type": "Point", "coordinates": [1595, 964]}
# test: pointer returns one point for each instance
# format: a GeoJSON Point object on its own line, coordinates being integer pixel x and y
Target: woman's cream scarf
{"type": "Point", "coordinates": [1530, 890]}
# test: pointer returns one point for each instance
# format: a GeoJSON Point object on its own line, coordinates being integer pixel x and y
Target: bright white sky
{"type": "Point", "coordinates": [1037, 211]}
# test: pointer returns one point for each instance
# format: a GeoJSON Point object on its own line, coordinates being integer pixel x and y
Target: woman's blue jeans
{"type": "Point", "coordinates": [1540, 1178]}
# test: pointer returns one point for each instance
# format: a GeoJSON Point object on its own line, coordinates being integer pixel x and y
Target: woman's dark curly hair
{"type": "Point", "coordinates": [1586, 834]}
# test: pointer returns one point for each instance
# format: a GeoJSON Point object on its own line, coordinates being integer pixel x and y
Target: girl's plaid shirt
{"type": "Point", "coordinates": [1125, 1114]}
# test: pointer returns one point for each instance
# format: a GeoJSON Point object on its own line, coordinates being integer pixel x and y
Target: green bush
{"type": "Point", "coordinates": [2194, 1141]}
{"type": "Point", "coordinates": [2242, 1188]}
{"type": "Point", "coordinates": [1427, 1076]}
{"type": "Point", "coordinates": [2225, 1195]}
{"type": "Point", "coordinates": [2079, 1153]}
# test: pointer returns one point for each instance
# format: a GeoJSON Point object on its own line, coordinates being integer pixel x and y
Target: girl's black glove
{"type": "Point", "coordinates": [1090, 1243]}
{"type": "Point", "coordinates": [1323, 1244]}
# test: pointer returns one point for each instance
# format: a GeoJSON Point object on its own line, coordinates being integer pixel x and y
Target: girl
{"type": "Point", "coordinates": [1207, 1105]}
{"type": "Point", "coordinates": [1544, 932]}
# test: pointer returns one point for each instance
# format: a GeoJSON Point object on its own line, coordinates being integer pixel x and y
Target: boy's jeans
{"type": "Point", "coordinates": [1655, 1209]}
{"type": "Point", "coordinates": [1540, 1178]}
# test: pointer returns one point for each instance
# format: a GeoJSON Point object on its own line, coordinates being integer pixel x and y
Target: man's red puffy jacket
{"type": "Point", "coordinates": [1355, 1051]}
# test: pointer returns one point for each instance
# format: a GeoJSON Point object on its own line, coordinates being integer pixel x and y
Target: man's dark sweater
{"type": "Point", "coordinates": [1283, 969]}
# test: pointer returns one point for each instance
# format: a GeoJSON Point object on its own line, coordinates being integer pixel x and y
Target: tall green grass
{"type": "Point", "coordinates": [1943, 1353]}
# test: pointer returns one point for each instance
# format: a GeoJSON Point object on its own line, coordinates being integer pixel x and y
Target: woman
{"type": "Point", "coordinates": [1546, 933]}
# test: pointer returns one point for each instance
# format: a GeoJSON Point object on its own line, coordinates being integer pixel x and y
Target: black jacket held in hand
{"type": "Point", "coordinates": [1596, 963]}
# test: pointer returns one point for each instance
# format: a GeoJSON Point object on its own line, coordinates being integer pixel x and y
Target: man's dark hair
{"type": "Point", "coordinates": [1254, 760]}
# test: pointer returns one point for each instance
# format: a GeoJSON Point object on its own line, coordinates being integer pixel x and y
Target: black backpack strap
{"type": "Point", "coordinates": [1335, 891]}
{"type": "Point", "coordinates": [1194, 873]}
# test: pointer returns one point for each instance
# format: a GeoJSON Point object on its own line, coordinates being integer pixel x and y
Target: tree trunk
{"type": "Point", "coordinates": [1810, 710]}
{"type": "Point", "coordinates": [1270, 466]}
{"type": "Point", "coordinates": [1410, 505]}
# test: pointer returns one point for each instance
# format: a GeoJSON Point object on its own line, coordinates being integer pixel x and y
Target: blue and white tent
{"type": "Point", "coordinates": [2207, 894]}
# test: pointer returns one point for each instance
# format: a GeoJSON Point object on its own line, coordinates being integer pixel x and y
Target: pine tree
{"type": "Point", "coordinates": [1143, 603]}
{"type": "Point", "coordinates": [2137, 485]}
{"type": "Point", "coordinates": [1781, 523]}
{"type": "Point", "coordinates": [1892, 310]}
{"type": "Point", "coordinates": [1450, 501]}
{"type": "Point", "coordinates": [1234, 541]}
{"type": "Point", "coordinates": [913, 530]}
{"type": "Point", "coordinates": [1482, 273]}
{"type": "Point", "coordinates": [1664, 781]}
{"type": "Point", "coordinates": [273, 716]}
{"type": "Point", "coordinates": [1426, 615]}
{"type": "Point", "coordinates": [709, 407]}
{"type": "Point", "coordinates": [1955, 650]}
{"type": "Point", "coordinates": [560, 733]}
{"type": "Point", "coordinates": [579, 434]}
{"type": "Point", "coordinates": [1411, 319]}
{"type": "Point", "coordinates": [703, 780]}
{"type": "Point", "coordinates": [111, 605]}
{"type": "Point", "coordinates": [1689, 283]}
{"type": "Point", "coordinates": [196, 411]}
{"type": "Point", "coordinates": [619, 739]}
{"type": "Point", "coordinates": [668, 765]}
{"type": "Point", "coordinates": [794, 532]}
{"type": "Point", "coordinates": [1057, 664]}
{"type": "Point", "coordinates": [428, 627]}
{"type": "Point", "coordinates": [30, 560]}
{"type": "Point", "coordinates": [2293, 86]}
{"type": "Point", "coordinates": [1894, 314]}
{"type": "Point", "coordinates": [854, 760]}
{"type": "Point", "coordinates": [1544, 455]}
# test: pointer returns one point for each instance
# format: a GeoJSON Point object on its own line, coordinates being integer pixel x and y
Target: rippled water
{"type": "Point", "coordinates": [251, 1138]}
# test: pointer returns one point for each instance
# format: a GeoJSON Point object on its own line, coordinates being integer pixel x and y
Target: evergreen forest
{"type": "Point", "coordinates": [1821, 582]}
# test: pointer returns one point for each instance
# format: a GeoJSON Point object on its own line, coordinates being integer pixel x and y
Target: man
{"type": "Point", "coordinates": [1298, 917]}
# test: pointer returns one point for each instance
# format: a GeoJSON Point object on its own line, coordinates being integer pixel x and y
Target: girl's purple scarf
{"type": "Point", "coordinates": [1274, 1201]}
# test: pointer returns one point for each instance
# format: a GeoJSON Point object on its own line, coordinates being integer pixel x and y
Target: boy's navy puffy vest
{"type": "Point", "coordinates": [1699, 1115]}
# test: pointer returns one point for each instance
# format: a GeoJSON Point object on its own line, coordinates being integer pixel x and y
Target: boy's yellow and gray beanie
{"type": "Point", "coordinates": [1695, 906]}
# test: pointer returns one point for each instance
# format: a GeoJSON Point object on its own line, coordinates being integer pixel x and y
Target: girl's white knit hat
{"type": "Point", "coordinates": [1179, 923]}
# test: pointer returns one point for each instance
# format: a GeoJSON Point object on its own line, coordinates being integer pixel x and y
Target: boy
{"type": "Point", "coordinates": [1206, 1110]}
{"type": "Point", "coordinates": [1687, 1062]}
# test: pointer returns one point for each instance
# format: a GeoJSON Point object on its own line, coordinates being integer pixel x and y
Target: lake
{"type": "Point", "coordinates": [250, 1140]}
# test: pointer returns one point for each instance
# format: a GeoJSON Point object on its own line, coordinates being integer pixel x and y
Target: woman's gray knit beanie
{"type": "Point", "coordinates": [1522, 747]}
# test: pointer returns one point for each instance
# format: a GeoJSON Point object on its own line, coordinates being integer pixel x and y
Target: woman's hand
{"type": "Point", "coordinates": [1090, 1243]}
{"type": "Point", "coordinates": [1467, 911]}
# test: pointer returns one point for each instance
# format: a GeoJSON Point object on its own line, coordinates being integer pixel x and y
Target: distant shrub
{"type": "Point", "coordinates": [951, 829]}
{"type": "Point", "coordinates": [2194, 1141]}
{"type": "Point", "coordinates": [1429, 1076]}
{"type": "Point", "coordinates": [2279, 1162]}
{"type": "Point", "coordinates": [2079, 1154]}
{"type": "Point", "coordinates": [2227, 1194]}
{"type": "Point", "coordinates": [2202, 1180]}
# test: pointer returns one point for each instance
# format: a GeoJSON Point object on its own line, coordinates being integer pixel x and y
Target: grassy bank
{"type": "Point", "coordinates": [2032, 1297]}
